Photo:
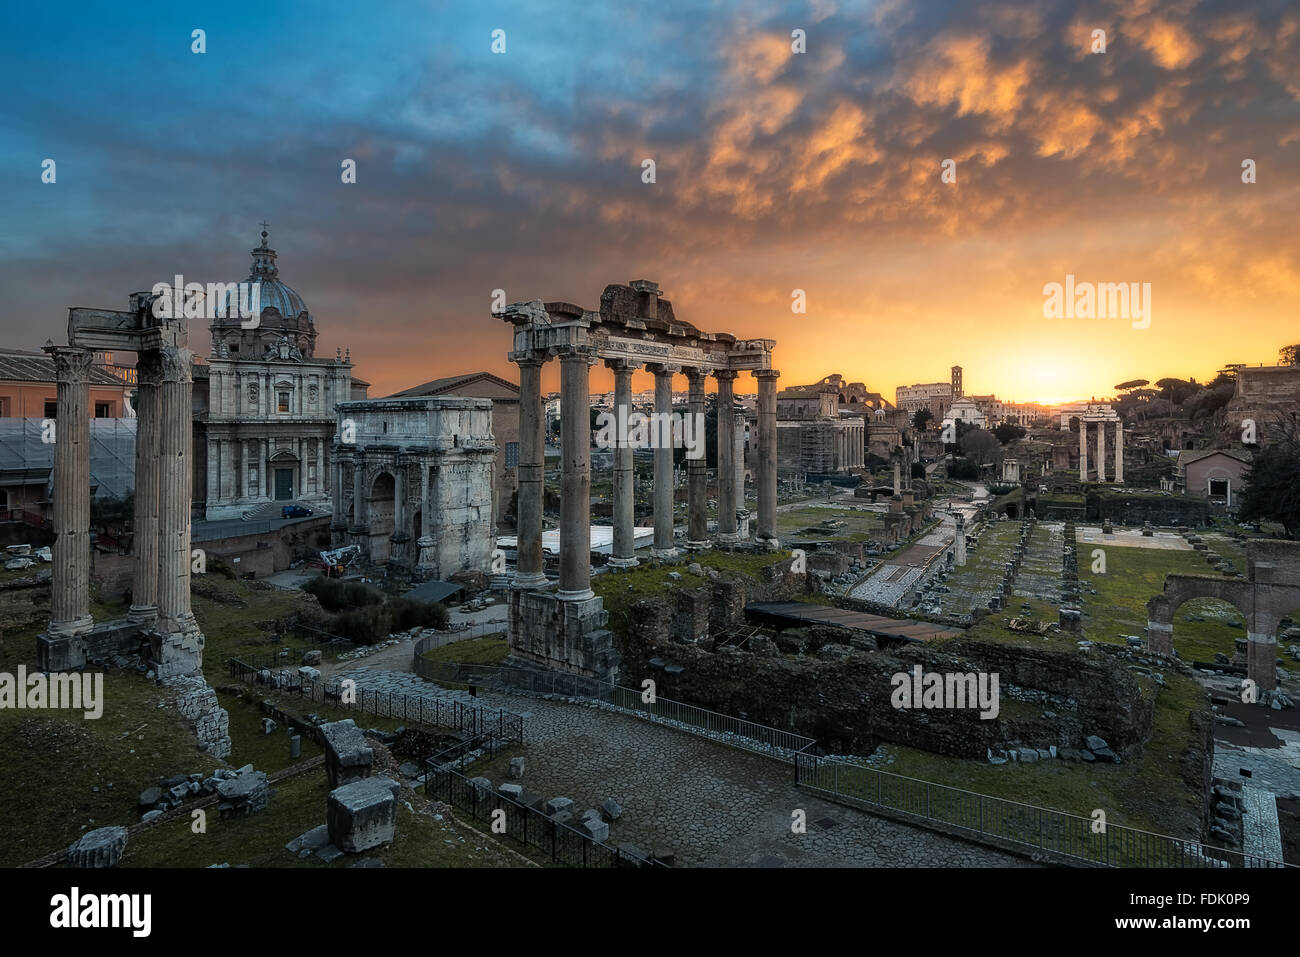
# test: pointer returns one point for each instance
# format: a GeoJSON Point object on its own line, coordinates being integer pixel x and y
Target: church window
{"type": "Point", "coordinates": [283, 399]}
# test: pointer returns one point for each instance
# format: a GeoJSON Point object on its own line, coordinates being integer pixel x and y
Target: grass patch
{"type": "Point", "coordinates": [296, 805]}
{"type": "Point", "coordinates": [1148, 792]}
{"type": "Point", "coordinates": [488, 650]}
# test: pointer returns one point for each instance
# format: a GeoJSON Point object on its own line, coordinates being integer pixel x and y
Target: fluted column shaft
{"type": "Point", "coordinates": [727, 466]}
{"type": "Point", "coordinates": [624, 487]}
{"type": "Point", "coordinates": [174, 483]}
{"type": "Point", "coordinates": [144, 590]}
{"type": "Point", "coordinates": [1101, 451]}
{"type": "Point", "coordinates": [70, 582]}
{"type": "Point", "coordinates": [575, 474]}
{"type": "Point", "coordinates": [530, 572]}
{"type": "Point", "coordinates": [358, 491]}
{"type": "Point", "coordinates": [767, 455]}
{"type": "Point", "coordinates": [697, 469]}
{"type": "Point", "coordinates": [663, 451]}
{"type": "Point", "coordinates": [1083, 450]}
{"type": "Point", "coordinates": [1119, 453]}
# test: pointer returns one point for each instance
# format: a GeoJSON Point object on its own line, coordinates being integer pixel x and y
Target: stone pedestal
{"type": "Point", "coordinates": [568, 636]}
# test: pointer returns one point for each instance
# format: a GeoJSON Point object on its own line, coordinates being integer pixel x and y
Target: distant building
{"type": "Point", "coordinates": [1218, 475]}
{"type": "Point", "coordinates": [812, 436]}
{"type": "Point", "coordinates": [505, 423]}
{"type": "Point", "coordinates": [264, 406]}
{"type": "Point", "coordinates": [965, 410]}
{"type": "Point", "coordinates": [1263, 394]}
{"type": "Point", "coordinates": [28, 394]}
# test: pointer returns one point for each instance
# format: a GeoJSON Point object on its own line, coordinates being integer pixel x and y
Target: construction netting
{"type": "Point", "coordinates": [25, 449]}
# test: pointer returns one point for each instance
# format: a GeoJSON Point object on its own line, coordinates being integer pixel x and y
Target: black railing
{"type": "Point", "coordinates": [556, 842]}
{"type": "Point", "coordinates": [1052, 832]}
{"type": "Point", "coordinates": [414, 709]}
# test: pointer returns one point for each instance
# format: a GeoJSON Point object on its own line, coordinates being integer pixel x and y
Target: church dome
{"type": "Point", "coordinates": [284, 313]}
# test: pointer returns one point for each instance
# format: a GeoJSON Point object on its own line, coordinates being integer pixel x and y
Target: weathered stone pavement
{"type": "Point", "coordinates": [714, 806]}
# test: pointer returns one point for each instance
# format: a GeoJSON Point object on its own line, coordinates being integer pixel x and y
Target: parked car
{"type": "Point", "coordinates": [295, 511]}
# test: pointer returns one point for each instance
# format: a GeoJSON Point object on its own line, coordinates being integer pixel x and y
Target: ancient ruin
{"type": "Point", "coordinates": [634, 327]}
{"type": "Point", "coordinates": [160, 609]}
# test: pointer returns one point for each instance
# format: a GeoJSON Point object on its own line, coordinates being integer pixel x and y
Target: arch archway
{"type": "Point", "coordinates": [379, 511]}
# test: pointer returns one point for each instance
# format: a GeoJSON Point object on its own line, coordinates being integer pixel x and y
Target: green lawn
{"type": "Point", "coordinates": [488, 650]}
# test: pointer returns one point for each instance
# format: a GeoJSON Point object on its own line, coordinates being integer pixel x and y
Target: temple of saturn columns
{"type": "Point", "coordinates": [634, 328]}
{"type": "Point", "coordinates": [160, 610]}
{"type": "Point", "coordinates": [1101, 416]}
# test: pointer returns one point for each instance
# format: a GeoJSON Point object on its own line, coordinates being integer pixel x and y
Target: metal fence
{"type": "Point", "coordinates": [723, 728]}
{"type": "Point", "coordinates": [415, 709]}
{"type": "Point", "coordinates": [981, 815]}
{"type": "Point", "coordinates": [534, 830]}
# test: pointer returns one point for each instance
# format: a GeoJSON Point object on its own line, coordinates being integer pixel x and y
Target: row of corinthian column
{"type": "Point", "coordinates": [575, 466]}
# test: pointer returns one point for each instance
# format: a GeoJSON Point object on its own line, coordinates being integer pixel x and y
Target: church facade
{"type": "Point", "coordinates": [265, 421]}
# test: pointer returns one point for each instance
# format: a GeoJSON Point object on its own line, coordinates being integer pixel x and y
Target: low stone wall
{"type": "Point", "coordinates": [1134, 508]}
{"type": "Point", "coordinates": [840, 693]}
{"type": "Point", "coordinates": [266, 553]}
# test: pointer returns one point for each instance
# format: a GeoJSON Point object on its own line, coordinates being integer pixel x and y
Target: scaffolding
{"type": "Point", "coordinates": [27, 459]}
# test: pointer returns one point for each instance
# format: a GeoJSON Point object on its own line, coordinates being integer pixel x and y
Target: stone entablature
{"type": "Point", "coordinates": [412, 482]}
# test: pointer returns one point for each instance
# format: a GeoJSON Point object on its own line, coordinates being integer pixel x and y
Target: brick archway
{"type": "Point", "coordinates": [1270, 591]}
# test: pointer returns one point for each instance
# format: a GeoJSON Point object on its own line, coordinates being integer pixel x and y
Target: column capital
{"type": "Point", "coordinates": [663, 368]}
{"type": "Point", "coordinates": [765, 373]}
{"type": "Point", "coordinates": [622, 365]}
{"type": "Point", "coordinates": [529, 357]}
{"type": "Point", "coordinates": [575, 353]}
{"type": "Point", "coordinates": [728, 374]}
{"type": "Point", "coordinates": [176, 364]}
{"type": "Point", "coordinates": [148, 368]}
{"type": "Point", "coordinates": [71, 363]}
{"type": "Point", "coordinates": [695, 375]}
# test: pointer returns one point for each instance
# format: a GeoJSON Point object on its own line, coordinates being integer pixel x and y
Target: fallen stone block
{"type": "Point", "coordinates": [558, 804]}
{"type": "Point", "coordinates": [362, 814]}
{"type": "Point", "coordinates": [596, 829]}
{"type": "Point", "coordinates": [246, 793]}
{"type": "Point", "coordinates": [101, 847]}
{"type": "Point", "coordinates": [347, 755]}
{"type": "Point", "coordinates": [517, 768]}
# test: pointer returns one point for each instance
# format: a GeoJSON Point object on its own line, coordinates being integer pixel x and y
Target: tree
{"type": "Point", "coordinates": [1271, 492]}
{"type": "Point", "coordinates": [1289, 355]}
{"type": "Point", "coordinates": [921, 418]}
{"type": "Point", "coordinates": [1007, 432]}
{"type": "Point", "coordinates": [1131, 384]}
{"type": "Point", "coordinates": [979, 446]}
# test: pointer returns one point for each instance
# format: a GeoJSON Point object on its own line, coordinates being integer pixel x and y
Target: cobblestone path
{"type": "Point", "coordinates": [714, 806]}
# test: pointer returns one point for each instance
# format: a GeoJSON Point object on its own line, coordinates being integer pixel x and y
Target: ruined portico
{"type": "Point", "coordinates": [160, 610]}
{"type": "Point", "coordinates": [1101, 416]}
{"type": "Point", "coordinates": [634, 328]}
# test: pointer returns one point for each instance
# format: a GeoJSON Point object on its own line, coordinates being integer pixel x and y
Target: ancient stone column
{"type": "Point", "coordinates": [697, 471]}
{"type": "Point", "coordinates": [898, 475]}
{"type": "Point", "coordinates": [214, 468]}
{"type": "Point", "coordinates": [728, 488]}
{"type": "Point", "coordinates": [70, 582]}
{"type": "Point", "coordinates": [144, 590]}
{"type": "Point", "coordinates": [661, 433]}
{"type": "Point", "coordinates": [177, 643]}
{"type": "Point", "coordinates": [399, 503]}
{"type": "Point", "coordinates": [1119, 453]}
{"type": "Point", "coordinates": [624, 493]}
{"type": "Point", "coordinates": [336, 521]}
{"type": "Point", "coordinates": [767, 456]}
{"type": "Point", "coordinates": [358, 491]}
{"type": "Point", "coordinates": [530, 572]}
{"type": "Point", "coordinates": [575, 474]}
{"type": "Point", "coordinates": [1083, 450]}
{"type": "Point", "coordinates": [960, 540]}
{"type": "Point", "coordinates": [1101, 451]}
{"type": "Point", "coordinates": [739, 458]}
{"type": "Point", "coordinates": [424, 498]}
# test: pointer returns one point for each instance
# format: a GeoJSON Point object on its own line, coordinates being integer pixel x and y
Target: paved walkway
{"type": "Point", "coordinates": [714, 806]}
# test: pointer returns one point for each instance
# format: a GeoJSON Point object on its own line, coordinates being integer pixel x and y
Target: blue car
{"type": "Point", "coordinates": [295, 511]}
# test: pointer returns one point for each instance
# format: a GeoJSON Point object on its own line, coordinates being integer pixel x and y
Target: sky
{"type": "Point", "coordinates": [775, 171]}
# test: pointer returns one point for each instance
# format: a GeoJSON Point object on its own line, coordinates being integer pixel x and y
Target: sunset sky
{"type": "Point", "coordinates": [819, 171]}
